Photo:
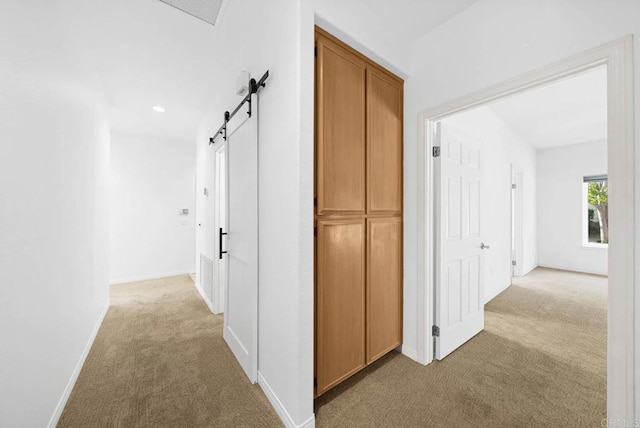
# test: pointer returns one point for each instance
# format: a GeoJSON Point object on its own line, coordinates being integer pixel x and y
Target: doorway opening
{"type": "Point", "coordinates": [616, 57]}
{"type": "Point", "coordinates": [553, 314]}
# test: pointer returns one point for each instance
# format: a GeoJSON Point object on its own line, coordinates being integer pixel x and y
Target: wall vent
{"type": "Point", "coordinates": [206, 276]}
{"type": "Point", "coordinates": [206, 10]}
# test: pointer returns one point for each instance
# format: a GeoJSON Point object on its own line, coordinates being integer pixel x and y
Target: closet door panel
{"type": "Point", "coordinates": [340, 311]}
{"type": "Point", "coordinates": [340, 130]}
{"type": "Point", "coordinates": [384, 143]}
{"type": "Point", "coordinates": [384, 286]}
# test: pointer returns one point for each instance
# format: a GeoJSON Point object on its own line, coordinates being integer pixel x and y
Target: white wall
{"type": "Point", "coordinates": [270, 38]}
{"type": "Point", "coordinates": [501, 149]}
{"type": "Point", "coordinates": [54, 163]}
{"type": "Point", "coordinates": [490, 42]}
{"type": "Point", "coordinates": [152, 179]}
{"type": "Point", "coordinates": [352, 22]}
{"type": "Point", "coordinates": [560, 206]}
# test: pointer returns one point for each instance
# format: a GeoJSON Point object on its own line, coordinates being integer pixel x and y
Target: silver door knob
{"type": "Point", "coordinates": [484, 247]}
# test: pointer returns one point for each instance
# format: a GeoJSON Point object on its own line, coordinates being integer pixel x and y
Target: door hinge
{"type": "Point", "coordinates": [513, 262]}
{"type": "Point", "coordinates": [315, 231]}
{"type": "Point", "coordinates": [315, 201]}
{"type": "Point", "coordinates": [315, 51]}
{"type": "Point", "coordinates": [513, 186]}
{"type": "Point", "coordinates": [315, 382]}
{"type": "Point", "coordinates": [435, 331]}
{"type": "Point", "coordinates": [436, 151]}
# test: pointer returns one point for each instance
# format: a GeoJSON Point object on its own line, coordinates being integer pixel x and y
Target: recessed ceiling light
{"type": "Point", "coordinates": [158, 109]}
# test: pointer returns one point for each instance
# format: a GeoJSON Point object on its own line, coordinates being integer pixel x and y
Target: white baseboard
{"type": "Point", "coordinates": [279, 408]}
{"type": "Point", "coordinates": [573, 269]}
{"type": "Point", "coordinates": [309, 423]}
{"type": "Point", "coordinates": [76, 371]}
{"type": "Point", "coordinates": [495, 294]}
{"type": "Point", "coordinates": [409, 352]}
{"type": "Point", "coordinates": [150, 276]}
{"type": "Point", "coordinates": [528, 270]}
{"type": "Point", "coordinates": [204, 296]}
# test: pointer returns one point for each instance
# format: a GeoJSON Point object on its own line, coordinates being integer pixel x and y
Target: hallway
{"type": "Point", "coordinates": [160, 360]}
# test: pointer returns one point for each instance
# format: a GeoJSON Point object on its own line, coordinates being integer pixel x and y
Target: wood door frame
{"type": "Point", "coordinates": [617, 56]}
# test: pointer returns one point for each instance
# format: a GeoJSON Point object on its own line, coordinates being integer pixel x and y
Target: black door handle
{"type": "Point", "coordinates": [220, 235]}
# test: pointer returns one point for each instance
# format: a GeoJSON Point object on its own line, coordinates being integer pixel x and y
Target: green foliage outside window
{"type": "Point", "coordinates": [598, 197]}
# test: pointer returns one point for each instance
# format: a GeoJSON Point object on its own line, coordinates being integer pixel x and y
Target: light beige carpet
{"type": "Point", "coordinates": [159, 360]}
{"type": "Point", "coordinates": [540, 362]}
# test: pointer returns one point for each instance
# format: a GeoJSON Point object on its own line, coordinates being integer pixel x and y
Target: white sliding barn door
{"type": "Point", "coordinates": [241, 309]}
{"type": "Point", "coordinates": [459, 263]}
{"type": "Point", "coordinates": [220, 222]}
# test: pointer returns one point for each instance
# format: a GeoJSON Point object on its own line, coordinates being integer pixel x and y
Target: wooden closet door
{"type": "Point", "coordinates": [340, 128]}
{"type": "Point", "coordinates": [358, 185]}
{"type": "Point", "coordinates": [384, 286]}
{"type": "Point", "coordinates": [340, 313]}
{"type": "Point", "coordinates": [384, 143]}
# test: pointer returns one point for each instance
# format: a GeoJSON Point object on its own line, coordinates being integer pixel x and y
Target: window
{"type": "Point", "coordinates": [595, 201]}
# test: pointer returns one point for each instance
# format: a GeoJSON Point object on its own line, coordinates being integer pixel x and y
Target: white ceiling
{"type": "Point", "coordinates": [570, 111]}
{"type": "Point", "coordinates": [386, 30]}
{"type": "Point", "coordinates": [151, 54]}
{"type": "Point", "coordinates": [407, 20]}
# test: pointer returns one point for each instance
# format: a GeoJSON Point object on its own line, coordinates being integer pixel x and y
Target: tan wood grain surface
{"type": "Point", "coordinates": [384, 144]}
{"type": "Point", "coordinates": [340, 130]}
{"type": "Point", "coordinates": [341, 280]}
{"type": "Point", "coordinates": [357, 212]}
{"type": "Point", "coordinates": [384, 286]}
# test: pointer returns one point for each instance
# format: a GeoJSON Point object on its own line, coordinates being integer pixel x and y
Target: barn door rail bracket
{"type": "Point", "coordinates": [254, 87]}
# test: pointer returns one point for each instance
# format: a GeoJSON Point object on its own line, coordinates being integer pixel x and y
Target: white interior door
{"type": "Point", "coordinates": [516, 221]}
{"type": "Point", "coordinates": [241, 309]}
{"type": "Point", "coordinates": [219, 282]}
{"type": "Point", "coordinates": [459, 264]}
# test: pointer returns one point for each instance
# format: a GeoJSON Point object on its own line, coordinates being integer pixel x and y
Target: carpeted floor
{"type": "Point", "coordinates": [159, 360]}
{"type": "Point", "coordinates": [540, 362]}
